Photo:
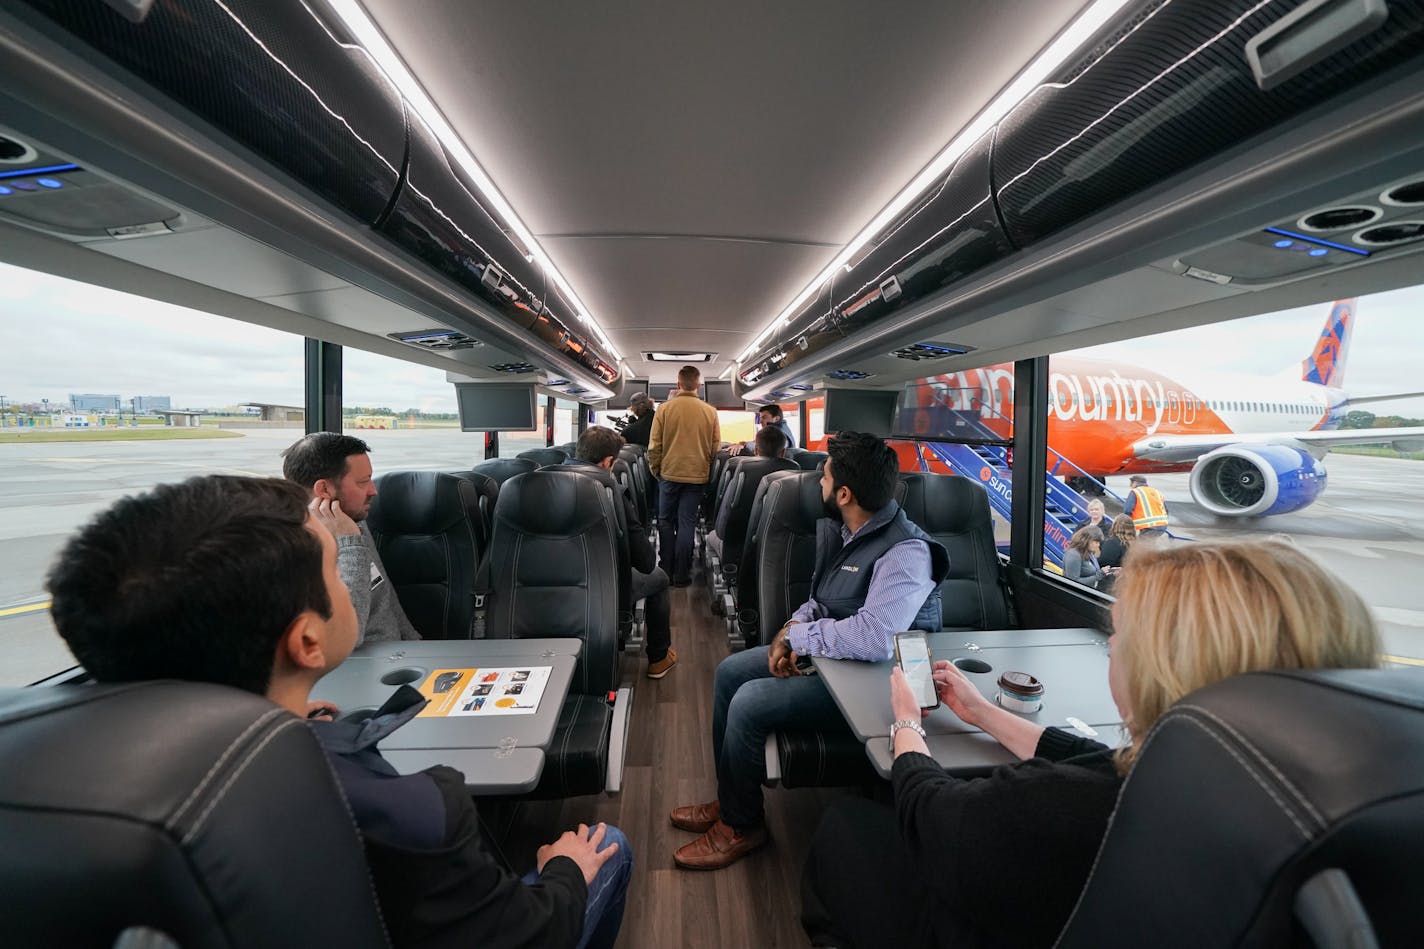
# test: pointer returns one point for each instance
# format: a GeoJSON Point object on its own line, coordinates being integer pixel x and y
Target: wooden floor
{"type": "Point", "coordinates": [755, 902]}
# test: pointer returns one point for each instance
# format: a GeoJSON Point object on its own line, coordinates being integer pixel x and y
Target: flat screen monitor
{"type": "Point", "coordinates": [718, 394]}
{"type": "Point", "coordinates": [630, 386]}
{"type": "Point", "coordinates": [861, 410]}
{"type": "Point", "coordinates": [495, 407]}
{"type": "Point", "coordinates": [662, 391]}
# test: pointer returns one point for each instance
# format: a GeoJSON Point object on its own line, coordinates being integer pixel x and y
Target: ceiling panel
{"type": "Point", "coordinates": [660, 293]}
{"type": "Point", "coordinates": [791, 121]}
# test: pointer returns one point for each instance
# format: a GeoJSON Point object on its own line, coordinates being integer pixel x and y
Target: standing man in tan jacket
{"type": "Point", "coordinates": [686, 435]}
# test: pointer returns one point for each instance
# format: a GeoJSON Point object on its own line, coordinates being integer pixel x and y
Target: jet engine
{"type": "Point", "coordinates": [1256, 480]}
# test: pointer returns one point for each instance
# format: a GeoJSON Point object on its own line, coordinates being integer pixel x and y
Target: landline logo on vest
{"type": "Point", "coordinates": [850, 568]}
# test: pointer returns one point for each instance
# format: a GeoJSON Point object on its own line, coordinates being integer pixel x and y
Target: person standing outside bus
{"type": "Point", "coordinates": [681, 449]}
{"type": "Point", "coordinates": [1146, 507]}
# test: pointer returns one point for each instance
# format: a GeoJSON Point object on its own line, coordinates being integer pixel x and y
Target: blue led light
{"type": "Point", "coordinates": [5, 190]}
{"type": "Point", "coordinates": [1318, 242]}
{"type": "Point", "coordinates": [1319, 251]}
{"type": "Point", "coordinates": [1284, 244]}
{"type": "Point", "coordinates": [37, 171]}
{"type": "Point", "coordinates": [50, 183]}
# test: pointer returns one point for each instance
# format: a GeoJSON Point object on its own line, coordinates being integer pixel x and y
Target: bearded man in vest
{"type": "Point", "coordinates": [876, 574]}
{"type": "Point", "coordinates": [1146, 507]}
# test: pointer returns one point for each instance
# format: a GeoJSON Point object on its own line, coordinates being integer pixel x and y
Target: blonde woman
{"type": "Point", "coordinates": [1000, 860]}
{"type": "Point", "coordinates": [1118, 542]}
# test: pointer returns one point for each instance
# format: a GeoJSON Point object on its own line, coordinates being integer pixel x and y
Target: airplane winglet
{"type": "Point", "coordinates": [1326, 363]}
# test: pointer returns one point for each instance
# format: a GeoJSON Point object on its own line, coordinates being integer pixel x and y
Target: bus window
{"type": "Point", "coordinates": [406, 413]}
{"type": "Point", "coordinates": [165, 393]}
{"type": "Point", "coordinates": [1219, 462]}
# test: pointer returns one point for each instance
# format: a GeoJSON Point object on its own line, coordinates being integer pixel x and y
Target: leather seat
{"type": "Point", "coordinates": [544, 457]}
{"type": "Point", "coordinates": [955, 511]}
{"type": "Point", "coordinates": [553, 567]}
{"type": "Point", "coordinates": [427, 526]}
{"type": "Point", "coordinates": [195, 811]}
{"type": "Point", "coordinates": [811, 460]}
{"type": "Point", "coordinates": [786, 548]}
{"type": "Point", "coordinates": [502, 469]}
{"type": "Point", "coordinates": [614, 489]}
{"type": "Point", "coordinates": [745, 622]}
{"type": "Point", "coordinates": [1244, 795]}
{"type": "Point", "coordinates": [744, 477]}
{"type": "Point", "coordinates": [638, 475]}
{"type": "Point", "coordinates": [714, 480]}
{"type": "Point", "coordinates": [488, 490]}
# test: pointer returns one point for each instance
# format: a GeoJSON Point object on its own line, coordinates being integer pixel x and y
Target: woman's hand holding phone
{"type": "Point", "coordinates": [902, 698]}
{"type": "Point", "coordinates": [956, 691]}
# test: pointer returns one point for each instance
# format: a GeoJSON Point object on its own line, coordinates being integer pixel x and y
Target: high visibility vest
{"type": "Point", "coordinates": [1151, 510]}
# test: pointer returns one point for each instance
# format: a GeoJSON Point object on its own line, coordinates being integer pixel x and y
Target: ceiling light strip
{"type": "Point", "coordinates": [359, 22]}
{"type": "Point", "coordinates": [1088, 23]}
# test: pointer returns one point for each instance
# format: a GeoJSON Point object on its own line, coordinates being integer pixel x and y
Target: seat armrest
{"type": "Point", "coordinates": [618, 739]}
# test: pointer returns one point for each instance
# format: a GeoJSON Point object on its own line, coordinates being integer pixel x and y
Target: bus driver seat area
{"type": "Point", "coordinates": [1264, 808]}
{"type": "Point", "coordinates": [174, 814]}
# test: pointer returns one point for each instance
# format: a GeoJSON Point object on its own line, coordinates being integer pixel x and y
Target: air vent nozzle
{"type": "Point", "coordinates": [849, 375]}
{"type": "Point", "coordinates": [1387, 235]}
{"type": "Point", "coordinates": [919, 352]}
{"type": "Point", "coordinates": [518, 368]}
{"type": "Point", "coordinates": [439, 339]}
{"type": "Point", "coordinates": [1333, 219]}
{"type": "Point", "coordinates": [1406, 195]}
{"type": "Point", "coordinates": [15, 152]}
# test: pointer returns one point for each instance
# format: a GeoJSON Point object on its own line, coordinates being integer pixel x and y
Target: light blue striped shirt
{"type": "Point", "coordinates": [900, 582]}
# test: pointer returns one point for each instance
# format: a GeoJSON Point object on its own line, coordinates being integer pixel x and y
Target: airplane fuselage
{"type": "Point", "coordinates": [1099, 409]}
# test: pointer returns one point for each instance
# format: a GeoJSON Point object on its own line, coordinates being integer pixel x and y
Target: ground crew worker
{"type": "Point", "coordinates": [1146, 507]}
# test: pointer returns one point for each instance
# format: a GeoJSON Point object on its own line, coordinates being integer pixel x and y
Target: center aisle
{"type": "Point", "coordinates": [755, 902]}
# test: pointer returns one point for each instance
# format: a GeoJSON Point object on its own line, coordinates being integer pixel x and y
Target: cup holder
{"type": "Point", "coordinates": [972, 665]}
{"type": "Point", "coordinates": [359, 715]}
{"type": "Point", "coordinates": [402, 676]}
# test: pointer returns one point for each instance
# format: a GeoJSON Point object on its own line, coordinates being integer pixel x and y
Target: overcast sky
{"type": "Point", "coordinates": [63, 337]}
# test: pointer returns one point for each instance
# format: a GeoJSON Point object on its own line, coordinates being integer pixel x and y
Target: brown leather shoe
{"type": "Point", "coordinates": [697, 818]}
{"type": "Point", "coordinates": [719, 847]}
{"type": "Point", "coordinates": [656, 670]}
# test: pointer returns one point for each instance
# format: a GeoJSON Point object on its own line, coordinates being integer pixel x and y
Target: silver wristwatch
{"type": "Point", "coordinates": [904, 723]}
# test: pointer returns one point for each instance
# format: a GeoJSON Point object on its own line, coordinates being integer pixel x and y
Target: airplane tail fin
{"type": "Point", "coordinates": [1326, 363]}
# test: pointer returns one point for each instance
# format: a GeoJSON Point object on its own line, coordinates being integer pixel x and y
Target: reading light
{"type": "Point", "coordinates": [354, 16]}
{"type": "Point", "coordinates": [1050, 59]}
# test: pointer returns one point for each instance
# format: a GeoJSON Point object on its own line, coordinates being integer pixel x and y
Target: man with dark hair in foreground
{"type": "Point", "coordinates": [336, 471]}
{"type": "Point", "coordinates": [234, 581]}
{"type": "Point", "coordinates": [598, 446]}
{"type": "Point", "coordinates": [876, 574]}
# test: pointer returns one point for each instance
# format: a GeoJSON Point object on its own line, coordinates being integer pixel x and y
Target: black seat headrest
{"type": "Point", "coordinates": [552, 502]}
{"type": "Point", "coordinates": [195, 810]}
{"type": "Point", "coordinates": [543, 457]}
{"type": "Point", "coordinates": [423, 502]}
{"type": "Point", "coordinates": [502, 469]}
{"type": "Point", "coordinates": [1253, 786]}
{"type": "Point", "coordinates": [943, 504]}
{"type": "Point", "coordinates": [796, 504]}
{"type": "Point", "coordinates": [810, 460]}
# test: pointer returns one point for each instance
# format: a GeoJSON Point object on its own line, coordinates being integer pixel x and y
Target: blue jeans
{"type": "Point", "coordinates": [677, 524]}
{"type": "Point", "coordinates": [748, 703]}
{"type": "Point", "coordinates": [606, 894]}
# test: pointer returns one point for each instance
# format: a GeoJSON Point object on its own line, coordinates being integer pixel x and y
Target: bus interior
{"type": "Point", "coordinates": [880, 217]}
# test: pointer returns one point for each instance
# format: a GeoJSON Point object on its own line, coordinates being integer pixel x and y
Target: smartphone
{"type": "Point", "coordinates": [912, 652]}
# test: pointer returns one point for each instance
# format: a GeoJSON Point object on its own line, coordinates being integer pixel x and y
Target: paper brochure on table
{"type": "Point", "coordinates": [484, 692]}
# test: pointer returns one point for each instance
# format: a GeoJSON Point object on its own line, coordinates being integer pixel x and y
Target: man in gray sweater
{"type": "Point", "coordinates": [336, 470]}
